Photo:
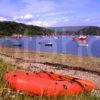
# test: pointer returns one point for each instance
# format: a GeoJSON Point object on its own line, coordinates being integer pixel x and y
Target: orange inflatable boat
{"type": "Point", "coordinates": [44, 83]}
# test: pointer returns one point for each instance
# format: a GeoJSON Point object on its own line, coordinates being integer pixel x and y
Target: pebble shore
{"type": "Point", "coordinates": [37, 66]}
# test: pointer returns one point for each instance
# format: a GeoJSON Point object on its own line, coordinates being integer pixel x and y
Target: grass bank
{"type": "Point", "coordinates": [8, 94]}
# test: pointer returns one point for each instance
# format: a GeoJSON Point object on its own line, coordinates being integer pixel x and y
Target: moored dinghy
{"type": "Point", "coordinates": [44, 83]}
{"type": "Point", "coordinates": [48, 44]}
{"type": "Point", "coordinates": [79, 38]}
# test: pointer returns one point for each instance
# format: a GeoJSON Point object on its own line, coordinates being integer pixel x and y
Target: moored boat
{"type": "Point", "coordinates": [17, 44]}
{"type": "Point", "coordinates": [49, 44]}
{"type": "Point", "coordinates": [83, 45]}
{"type": "Point", "coordinates": [81, 37]}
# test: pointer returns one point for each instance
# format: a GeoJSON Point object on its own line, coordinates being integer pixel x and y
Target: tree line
{"type": "Point", "coordinates": [8, 28]}
{"type": "Point", "coordinates": [90, 30]}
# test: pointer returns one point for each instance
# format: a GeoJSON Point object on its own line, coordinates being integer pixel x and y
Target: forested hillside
{"type": "Point", "coordinates": [90, 30]}
{"type": "Point", "coordinates": [8, 28]}
{"type": "Point", "coordinates": [77, 30]}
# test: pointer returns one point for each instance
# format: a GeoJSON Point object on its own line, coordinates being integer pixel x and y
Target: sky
{"type": "Point", "coordinates": [51, 13]}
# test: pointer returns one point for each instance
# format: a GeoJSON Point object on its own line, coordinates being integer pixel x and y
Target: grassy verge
{"type": "Point", "coordinates": [8, 94]}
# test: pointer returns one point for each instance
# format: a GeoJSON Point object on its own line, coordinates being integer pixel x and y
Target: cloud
{"type": "Point", "coordinates": [56, 13]}
{"type": "Point", "coordinates": [3, 19]}
{"type": "Point", "coordinates": [11, 7]}
{"type": "Point", "coordinates": [25, 17]}
{"type": "Point", "coordinates": [40, 23]}
{"type": "Point", "coordinates": [30, 20]}
{"type": "Point", "coordinates": [43, 23]}
{"type": "Point", "coordinates": [22, 7]}
{"type": "Point", "coordinates": [51, 12]}
{"type": "Point", "coordinates": [28, 16]}
{"type": "Point", "coordinates": [66, 20]}
{"type": "Point", "coordinates": [88, 19]}
{"type": "Point", "coordinates": [38, 6]}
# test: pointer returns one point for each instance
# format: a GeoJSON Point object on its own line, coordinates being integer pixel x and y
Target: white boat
{"type": "Point", "coordinates": [98, 37]}
{"type": "Point", "coordinates": [83, 45]}
{"type": "Point", "coordinates": [55, 37]}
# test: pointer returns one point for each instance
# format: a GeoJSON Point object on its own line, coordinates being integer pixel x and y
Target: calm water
{"type": "Point", "coordinates": [61, 44]}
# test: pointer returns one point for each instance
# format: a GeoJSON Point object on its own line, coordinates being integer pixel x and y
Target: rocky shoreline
{"type": "Point", "coordinates": [42, 65]}
{"type": "Point", "coordinates": [74, 61]}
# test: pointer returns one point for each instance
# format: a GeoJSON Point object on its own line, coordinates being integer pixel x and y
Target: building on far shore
{"type": "Point", "coordinates": [17, 35]}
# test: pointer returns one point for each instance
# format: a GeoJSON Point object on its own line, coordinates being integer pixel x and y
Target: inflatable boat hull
{"type": "Point", "coordinates": [48, 84]}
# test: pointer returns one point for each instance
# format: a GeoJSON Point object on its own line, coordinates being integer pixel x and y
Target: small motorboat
{"type": "Point", "coordinates": [98, 37]}
{"type": "Point", "coordinates": [46, 83]}
{"type": "Point", "coordinates": [80, 38]}
{"type": "Point", "coordinates": [83, 45]}
{"type": "Point", "coordinates": [17, 44]}
{"type": "Point", "coordinates": [40, 42]}
{"type": "Point", "coordinates": [55, 37]}
{"type": "Point", "coordinates": [49, 44]}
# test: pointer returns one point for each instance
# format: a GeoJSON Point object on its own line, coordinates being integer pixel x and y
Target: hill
{"type": "Point", "coordinates": [70, 30]}
{"type": "Point", "coordinates": [8, 28]}
{"type": "Point", "coordinates": [67, 28]}
{"type": "Point", "coordinates": [90, 30]}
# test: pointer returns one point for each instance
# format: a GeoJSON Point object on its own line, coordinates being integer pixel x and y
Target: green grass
{"type": "Point", "coordinates": [8, 94]}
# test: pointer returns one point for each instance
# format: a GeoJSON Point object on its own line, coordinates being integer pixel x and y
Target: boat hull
{"type": "Point", "coordinates": [48, 84]}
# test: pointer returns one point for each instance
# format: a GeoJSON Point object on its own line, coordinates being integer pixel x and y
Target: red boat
{"type": "Point", "coordinates": [44, 83]}
{"type": "Point", "coordinates": [81, 38]}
